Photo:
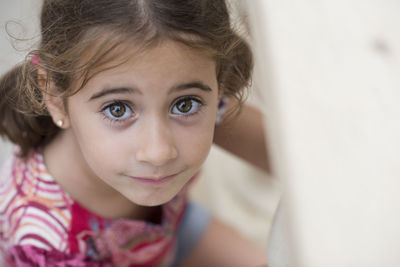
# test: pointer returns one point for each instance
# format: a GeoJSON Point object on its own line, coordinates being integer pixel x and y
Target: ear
{"type": "Point", "coordinates": [54, 102]}
{"type": "Point", "coordinates": [56, 109]}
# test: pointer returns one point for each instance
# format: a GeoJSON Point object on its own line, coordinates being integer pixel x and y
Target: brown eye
{"type": "Point", "coordinates": [184, 105]}
{"type": "Point", "coordinates": [117, 110]}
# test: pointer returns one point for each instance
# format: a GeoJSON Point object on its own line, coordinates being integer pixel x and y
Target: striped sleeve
{"type": "Point", "coordinates": [34, 211]}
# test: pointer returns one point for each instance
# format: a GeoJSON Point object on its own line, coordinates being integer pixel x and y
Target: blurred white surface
{"type": "Point", "coordinates": [20, 19]}
{"type": "Point", "coordinates": [331, 72]}
{"type": "Point", "coordinates": [5, 151]}
{"type": "Point", "coordinates": [239, 194]}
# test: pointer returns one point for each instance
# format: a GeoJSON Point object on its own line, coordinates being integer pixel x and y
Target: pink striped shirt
{"type": "Point", "coordinates": [41, 224]}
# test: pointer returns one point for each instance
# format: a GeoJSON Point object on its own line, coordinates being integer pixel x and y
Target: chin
{"type": "Point", "coordinates": [152, 201]}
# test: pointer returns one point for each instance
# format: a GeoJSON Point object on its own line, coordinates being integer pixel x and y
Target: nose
{"type": "Point", "coordinates": [156, 143]}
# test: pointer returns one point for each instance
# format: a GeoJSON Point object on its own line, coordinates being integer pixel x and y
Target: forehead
{"type": "Point", "coordinates": [110, 51]}
{"type": "Point", "coordinates": [165, 65]}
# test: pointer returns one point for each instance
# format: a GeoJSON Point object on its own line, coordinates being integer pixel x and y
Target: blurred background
{"type": "Point", "coordinates": [330, 76]}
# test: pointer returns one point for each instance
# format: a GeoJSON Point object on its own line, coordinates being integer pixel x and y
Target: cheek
{"type": "Point", "coordinates": [198, 142]}
{"type": "Point", "coordinates": [102, 150]}
{"type": "Point", "coordinates": [105, 156]}
{"type": "Point", "coordinates": [196, 145]}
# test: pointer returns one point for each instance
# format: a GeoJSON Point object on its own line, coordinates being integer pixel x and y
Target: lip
{"type": "Point", "coordinates": [153, 181]}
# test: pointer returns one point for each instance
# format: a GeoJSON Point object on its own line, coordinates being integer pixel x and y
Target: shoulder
{"type": "Point", "coordinates": [33, 209]}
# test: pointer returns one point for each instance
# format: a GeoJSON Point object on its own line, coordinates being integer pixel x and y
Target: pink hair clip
{"type": "Point", "coordinates": [35, 59]}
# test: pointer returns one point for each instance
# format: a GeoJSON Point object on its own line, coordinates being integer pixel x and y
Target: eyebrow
{"type": "Point", "coordinates": [110, 91]}
{"type": "Point", "coordinates": [125, 90]}
{"type": "Point", "coordinates": [190, 85]}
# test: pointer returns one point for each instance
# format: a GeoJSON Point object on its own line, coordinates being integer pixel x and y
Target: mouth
{"type": "Point", "coordinates": [154, 181]}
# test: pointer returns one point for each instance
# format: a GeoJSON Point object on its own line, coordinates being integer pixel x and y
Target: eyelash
{"type": "Point", "coordinates": [128, 108]}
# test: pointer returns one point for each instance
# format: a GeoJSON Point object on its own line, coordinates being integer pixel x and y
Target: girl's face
{"type": "Point", "coordinates": [146, 126]}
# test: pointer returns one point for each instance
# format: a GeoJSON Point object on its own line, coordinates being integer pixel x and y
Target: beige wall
{"type": "Point", "coordinates": [331, 77]}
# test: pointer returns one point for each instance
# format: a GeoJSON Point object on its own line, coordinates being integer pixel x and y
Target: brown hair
{"type": "Point", "coordinates": [70, 28]}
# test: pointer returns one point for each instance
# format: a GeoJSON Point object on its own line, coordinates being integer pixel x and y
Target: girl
{"type": "Point", "coordinates": [113, 115]}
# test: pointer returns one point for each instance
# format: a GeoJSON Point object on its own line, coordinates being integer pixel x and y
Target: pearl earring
{"type": "Point", "coordinates": [60, 123]}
